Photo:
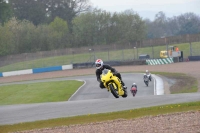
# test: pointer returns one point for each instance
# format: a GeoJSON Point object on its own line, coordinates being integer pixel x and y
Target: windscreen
{"type": "Point", "coordinates": [105, 71]}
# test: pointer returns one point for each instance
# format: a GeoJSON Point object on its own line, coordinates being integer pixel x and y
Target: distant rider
{"type": "Point", "coordinates": [100, 66]}
{"type": "Point", "coordinates": [148, 74]}
{"type": "Point", "coordinates": [134, 85]}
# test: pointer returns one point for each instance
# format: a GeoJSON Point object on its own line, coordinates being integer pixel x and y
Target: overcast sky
{"type": "Point", "coordinates": [148, 8]}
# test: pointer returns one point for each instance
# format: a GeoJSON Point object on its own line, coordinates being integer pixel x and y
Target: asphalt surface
{"type": "Point", "coordinates": [90, 99]}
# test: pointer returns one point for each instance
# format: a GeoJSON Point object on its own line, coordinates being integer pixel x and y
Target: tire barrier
{"type": "Point", "coordinates": [159, 61]}
{"type": "Point", "coordinates": [83, 65]}
{"type": "Point", "coordinates": [194, 58]}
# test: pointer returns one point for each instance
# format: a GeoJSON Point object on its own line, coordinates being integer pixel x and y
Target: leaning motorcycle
{"type": "Point", "coordinates": [133, 91]}
{"type": "Point", "coordinates": [149, 76]}
{"type": "Point", "coordinates": [113, 84]}
{"type": "Point", "coordinates": [146, 79]}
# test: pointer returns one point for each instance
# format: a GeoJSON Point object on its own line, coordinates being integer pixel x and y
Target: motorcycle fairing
{"type": "Point", "coordinates": [107, 78]}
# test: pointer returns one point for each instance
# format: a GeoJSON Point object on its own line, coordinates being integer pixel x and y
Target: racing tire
{"type": "Point", "coordinates": [134, 93]}
{"type": "Point", "coordinates": [146, 82]}
{"type": "Point", "coordinates": [113, 91]}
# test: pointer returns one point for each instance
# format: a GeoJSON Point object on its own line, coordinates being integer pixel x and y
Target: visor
{"type": "Point", "coordinates": [98, 65]}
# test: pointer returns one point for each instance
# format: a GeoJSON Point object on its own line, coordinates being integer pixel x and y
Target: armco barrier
{"type": "Point", "coordinates": [72, 66]}
{"type": "Point", "coordinates": [36, 70]}
{"type": "Point", "coordinates": [159, 61]}
{"type": "Point", "coordinates": [111, 63]}
{"type": "Point", "coordinates": [47, 69]}
{"type": "Point", "coordinates": [20, 72]}
{"type": "Point", "coordinates": [67, 67]}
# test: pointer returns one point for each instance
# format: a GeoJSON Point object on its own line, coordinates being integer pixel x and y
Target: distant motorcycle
{"type": "Point", "coordinates": [133, 90]}
{"type": "Point", "coordinates": [149, 76]}
{"type": "Point", "coordinates": [146, 79]}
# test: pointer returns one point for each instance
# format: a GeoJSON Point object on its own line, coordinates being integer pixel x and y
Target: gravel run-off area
{"type": "Point", "coordinates": [188, 122]}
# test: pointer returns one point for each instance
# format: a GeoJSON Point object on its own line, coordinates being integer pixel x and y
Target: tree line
{"type": "Point", "coordinates": [35, 25]}
{"type": "Point", "coordinates": [188, 23]}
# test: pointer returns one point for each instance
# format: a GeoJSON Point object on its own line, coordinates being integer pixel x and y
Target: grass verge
{"type": "Point", "coordinates": [183, 84]}
{"type": "Point", "coordinates": [38, 92]}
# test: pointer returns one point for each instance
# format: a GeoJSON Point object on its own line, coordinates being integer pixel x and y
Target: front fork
{"type": "Point", "coordinates": [118, 89]}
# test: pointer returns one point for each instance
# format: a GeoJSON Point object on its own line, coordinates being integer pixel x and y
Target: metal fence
{"type": "Point", "coordinates": [189, 44]}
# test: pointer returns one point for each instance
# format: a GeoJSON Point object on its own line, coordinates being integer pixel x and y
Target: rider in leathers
{"type": "Point", "coordinates": [148, 73]}
{"type": "Point", "coordinates": [100, 67]}
{"type": "Point", "coordinates": [134, 85]}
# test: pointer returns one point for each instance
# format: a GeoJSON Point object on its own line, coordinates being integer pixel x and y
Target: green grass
{"type": "Point", "coordinates": [184, 83]}
{"type": "Point", "coordinates": [38, 92]}
{"type": "Point", "coordinates": [84, 119]}
{"type": "Point", "coordinates": [126, 54]}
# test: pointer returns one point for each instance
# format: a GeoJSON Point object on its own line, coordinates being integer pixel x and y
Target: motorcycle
{"type": "Point", "coordinates": [113, 84]}
{"type": "Point", "coordinates": [133, 90]}
{"type": "Point", "coordinates": [146, 79]}
{"type": "Point", "coordinates": [149, 76]}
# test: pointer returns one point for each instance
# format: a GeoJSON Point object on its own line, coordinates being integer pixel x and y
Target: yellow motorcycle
{"type": "Point", "coordinates": [113, 84]}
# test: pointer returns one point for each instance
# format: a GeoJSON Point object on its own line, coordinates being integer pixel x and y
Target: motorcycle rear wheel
{"type": "Point", "coordinates": [113, 91]}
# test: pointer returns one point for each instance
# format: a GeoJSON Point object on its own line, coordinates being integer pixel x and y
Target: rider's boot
{"type": "Point", "coordinates": [124, 87]}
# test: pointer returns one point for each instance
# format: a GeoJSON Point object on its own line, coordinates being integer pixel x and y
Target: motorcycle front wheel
{"type": "Point", "coordinates": [133, 93]}
{"type": "Point", "coordinates": [113, 91]}
{"type": "Point", "coordinates": [146, 82]}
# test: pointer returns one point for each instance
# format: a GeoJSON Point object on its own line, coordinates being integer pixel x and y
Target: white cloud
{"type": "Point", "coordinates": [172, 7]}
{"type": "Point", "coordinates": [137, 2]}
